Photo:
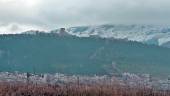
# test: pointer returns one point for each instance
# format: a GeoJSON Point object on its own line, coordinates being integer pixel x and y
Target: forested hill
{"type": "Point", "coordinates": [51, 53]}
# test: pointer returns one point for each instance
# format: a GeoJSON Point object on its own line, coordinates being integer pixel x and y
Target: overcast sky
{"type": "Point", "coordinates": [21, 15]}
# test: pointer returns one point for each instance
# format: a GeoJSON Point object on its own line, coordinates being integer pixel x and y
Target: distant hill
{"type": "Point", "coordinates": [148, 34]}
{"type": "Point", "coordinates": [51, 52]}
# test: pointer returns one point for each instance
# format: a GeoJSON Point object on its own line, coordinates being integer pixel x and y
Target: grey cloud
{"type": "Point", "coordinates": [49, 14]}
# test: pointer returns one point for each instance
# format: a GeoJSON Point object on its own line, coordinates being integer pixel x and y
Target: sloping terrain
{"type": "Point", "coordinates": [148, 34]}
{"type": "Point", "coordinates": [49, 52]}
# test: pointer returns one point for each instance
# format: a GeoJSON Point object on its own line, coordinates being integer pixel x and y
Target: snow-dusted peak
{"type": "Point", "coordinates": [150, 34]}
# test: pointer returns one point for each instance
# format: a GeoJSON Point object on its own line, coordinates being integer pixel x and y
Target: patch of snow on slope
{"type": "Point", "coordinates": [149, 34]}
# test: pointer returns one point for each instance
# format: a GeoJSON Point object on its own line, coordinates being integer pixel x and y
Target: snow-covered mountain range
{"type": "Point", "coordinates": [149, 34]}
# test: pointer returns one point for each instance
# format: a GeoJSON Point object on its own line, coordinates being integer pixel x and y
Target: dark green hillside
{"type": "Point", "coordinates": [51, 53]}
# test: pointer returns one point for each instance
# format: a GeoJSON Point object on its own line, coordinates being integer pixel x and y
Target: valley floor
{"type": "Point", "coordinates": [25, 89]}
{"type": "Point", "coordinates": [127, 84]}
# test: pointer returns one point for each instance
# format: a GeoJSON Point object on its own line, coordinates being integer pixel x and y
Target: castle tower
{"type": "Point", "coordinates": [63, 32]}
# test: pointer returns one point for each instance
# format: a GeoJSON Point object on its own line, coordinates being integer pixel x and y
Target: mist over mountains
{"type": "Point", "coordinates": [147, 34]}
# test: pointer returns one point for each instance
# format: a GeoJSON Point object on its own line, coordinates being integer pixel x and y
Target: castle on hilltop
{"type": "Point", "coordinates": [62, 32]}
